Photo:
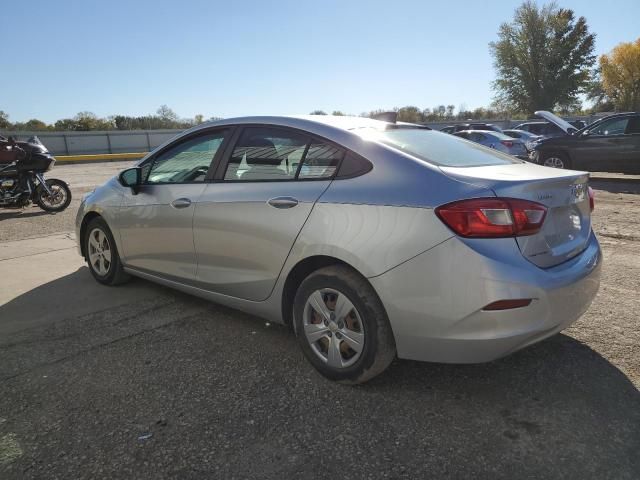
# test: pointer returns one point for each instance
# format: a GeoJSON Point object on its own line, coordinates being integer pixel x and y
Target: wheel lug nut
{"type": "Point", "coordinates": [326, 323]}
{"type": "Point", "coordinates": [329, 334]}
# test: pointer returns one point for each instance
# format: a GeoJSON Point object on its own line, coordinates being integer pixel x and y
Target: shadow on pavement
{"type": "Point", "coordinates": [210, 392]}
{"type": "Point", "coordinates": [68, 297]}
{"type": "Point", "coordinates": [20, 213]}
{"type": "Point", "coordinates": [617, 186]}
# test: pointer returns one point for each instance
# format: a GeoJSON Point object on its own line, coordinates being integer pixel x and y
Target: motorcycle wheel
{"type": "Point", "coordinates": [58, 201]}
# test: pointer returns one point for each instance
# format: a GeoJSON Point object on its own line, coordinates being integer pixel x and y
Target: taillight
{"type": "Point", "coordinates": [493, 217]}
{"type": "Point", "coordinates": [592, 198]}
{"type": "Point", "coordinates": [507, 143]}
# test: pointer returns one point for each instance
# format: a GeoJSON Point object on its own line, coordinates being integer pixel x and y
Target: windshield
{"type": "Point", "coordinates": [34, 141]}
{"type": "Point", "coordinates": [438, 148]}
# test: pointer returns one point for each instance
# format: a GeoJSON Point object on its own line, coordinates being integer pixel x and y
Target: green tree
{"type": "Point", "coordinates": [198, 119]}
{"type": "Point", "coordinates": [166, 114]}
{"type": "Point", "coordinates": [542, 58]}
{"type": "Point", "coordinates": [65, 124]}
{"type": "Point", "coordinates": [318, 112]}
{"type": "Point", "coordinates": [337, 113]}
{"type": "Point", "coordinates": [85, 121]}
{"type": "Point", "coordinates": [450, 110]}
{"type": "Point", "coordinates": [34, 125]}
{"type": "Point", "coordinates": [410, 114]}
{"type": "Point", "coordinates": [4, 120]}
{"type": "Point", "coordinates": [596, 94]}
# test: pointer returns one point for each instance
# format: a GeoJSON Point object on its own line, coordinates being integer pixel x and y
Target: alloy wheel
{"type": "Point", "coordinates": [58, 196]}
{"type": "Point", "coordinates": [99, 251]}
{"type": "Point", "coordinates": [554, 162]}
{"type": "Point", "coordinates": [333, 327]}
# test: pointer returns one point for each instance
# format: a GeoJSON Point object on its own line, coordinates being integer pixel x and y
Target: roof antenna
{"type": "Point", "coordinates": [390, 117]}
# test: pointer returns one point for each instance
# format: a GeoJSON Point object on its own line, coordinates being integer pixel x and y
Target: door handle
{"type": "Point", "coordinates": [181, 203]}
{"type": "Point", "coordinates": [283, 202]}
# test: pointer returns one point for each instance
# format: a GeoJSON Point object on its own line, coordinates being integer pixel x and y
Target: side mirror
{"type": "Point", "coordinates": [132, 178]}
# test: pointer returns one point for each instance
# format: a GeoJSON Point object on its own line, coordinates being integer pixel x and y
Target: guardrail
{"type": "Point", "coordinates": [105, 157]}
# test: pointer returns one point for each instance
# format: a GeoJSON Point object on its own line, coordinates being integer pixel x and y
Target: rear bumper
{"type": "Point", "coordinates": [435, 300]}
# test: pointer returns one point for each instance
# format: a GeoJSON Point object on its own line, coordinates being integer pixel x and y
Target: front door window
{"type": "Point", "coordinates": [187, 162]}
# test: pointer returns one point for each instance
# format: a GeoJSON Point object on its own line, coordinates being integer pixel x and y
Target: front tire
{"type": "Point", "coordinates": [342, 326]}
{"type": "Point", "coordinates": [101, 254]}
{"type": "Point", "coordinates": [58, 201]}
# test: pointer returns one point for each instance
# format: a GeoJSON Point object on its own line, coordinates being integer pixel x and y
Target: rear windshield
{"type": "Point", "coordinates": [439, 148]}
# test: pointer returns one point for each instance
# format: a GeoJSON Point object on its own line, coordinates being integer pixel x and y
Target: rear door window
{"type": "Point", "coordinates": [280, 154]}
{"type": "Point", "coordinates": [320, 161]}
{"type": "Point", "coordinates": [264, 153]}
{"type": "Point", "coordinates": [477, 137]}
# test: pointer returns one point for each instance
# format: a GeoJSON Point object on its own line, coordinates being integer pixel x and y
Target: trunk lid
{"type": "Point", "coordinates": [563, 124]}
{"type": "Point", "coordinates": [517, 147]}
{"type": "Point", "coordinates": [567, 225]}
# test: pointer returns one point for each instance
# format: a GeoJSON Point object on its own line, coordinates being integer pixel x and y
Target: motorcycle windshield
{"type": "Point", "coordinates": [35, 141]}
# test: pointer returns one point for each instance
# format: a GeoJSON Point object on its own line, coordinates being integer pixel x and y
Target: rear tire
{"type": "Point", "coordinates": [556, 160]}
{"type": "Point", "coordinates": [101, 254]}
{"type": "Point", "coordinates": [335, 309]}
{"type": "Point", "coordinates": [61, 196]}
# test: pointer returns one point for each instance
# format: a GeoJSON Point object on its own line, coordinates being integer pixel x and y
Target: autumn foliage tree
{"type": "Point", "coordinates": [620, 74]}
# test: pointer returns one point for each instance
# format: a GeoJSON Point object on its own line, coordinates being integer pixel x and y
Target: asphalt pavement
{"type": "Point", "coordinates": [140, 381]}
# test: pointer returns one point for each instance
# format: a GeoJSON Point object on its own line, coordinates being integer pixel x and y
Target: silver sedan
{"type": "Point", "coordinates": [497, 140]}
{"type": "Point", "coordinates": [371, 239]}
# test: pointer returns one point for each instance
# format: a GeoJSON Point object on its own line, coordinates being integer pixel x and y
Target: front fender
{"type": "Point", "coordinates": [105, 201]}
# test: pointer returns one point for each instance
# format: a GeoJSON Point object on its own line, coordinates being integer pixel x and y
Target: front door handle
{"type": "Point", "coordinates": [181, 203]}
{"type": "Point", "coordinates": [283, 202]}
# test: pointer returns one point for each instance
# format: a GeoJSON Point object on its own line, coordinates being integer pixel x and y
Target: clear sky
{"type": "Point", "coordinates": [226, 58]}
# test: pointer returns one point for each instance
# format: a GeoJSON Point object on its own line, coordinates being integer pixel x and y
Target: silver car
{"type": "Point", "coordinates": [371, 239]}
{"type": "Point", "coordinates": [497, 140]}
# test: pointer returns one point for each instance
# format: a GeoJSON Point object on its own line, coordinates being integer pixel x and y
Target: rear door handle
{"type": "Point", "coordinates": [283, 202]}
{"type": "Point", "coordinates": [181, 203]}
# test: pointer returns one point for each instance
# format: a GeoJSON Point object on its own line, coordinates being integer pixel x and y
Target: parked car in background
{"type": "Point", "coordinates": [579, 124]}
{"type": "Point", "coordinates": [372, 239]}
{"type": "Point", "coordinates": [497, 140]}
{"type": "Point", "coordinates": [611, 144]}
{"type": "Point", "coordinates": [541, 128]}
{"type": "Point", "coordinates": [549, 128]}
{"type": "Point", "coordinates": [471, 126]}
{"type": "Point", "coordinates": [528, 138]}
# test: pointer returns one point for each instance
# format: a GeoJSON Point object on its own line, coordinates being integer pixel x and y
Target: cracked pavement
{"type": "Point", "coordinates": [146, 382]}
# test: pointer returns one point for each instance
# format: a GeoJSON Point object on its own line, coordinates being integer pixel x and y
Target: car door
{"type": "Point", "coordinates": [603, 147]}
{"type": "Point", "coordinates": [247, 220]}
{"type": "Point", "coordinates": [156, 224]}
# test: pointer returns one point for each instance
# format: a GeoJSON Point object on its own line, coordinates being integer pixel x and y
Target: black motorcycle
{"type": "Point", "coordinates": [22, 167]}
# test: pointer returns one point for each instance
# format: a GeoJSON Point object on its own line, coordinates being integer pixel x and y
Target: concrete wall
{"type": "Point", "coordinates": [86, 143]}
